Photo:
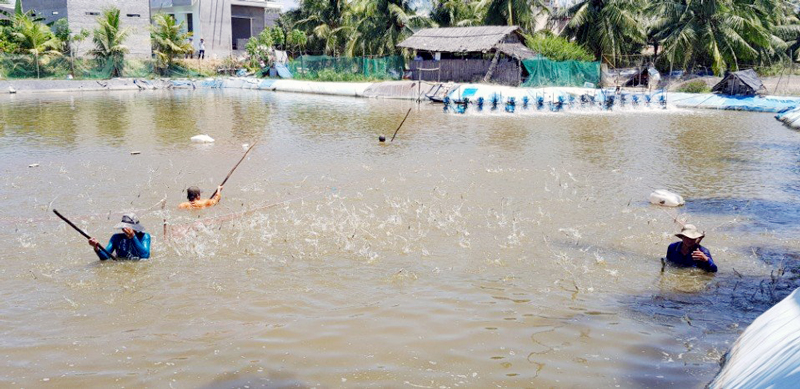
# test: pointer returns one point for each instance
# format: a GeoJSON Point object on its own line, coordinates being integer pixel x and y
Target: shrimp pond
{"type": "Point", "coordinates": [478, 250]}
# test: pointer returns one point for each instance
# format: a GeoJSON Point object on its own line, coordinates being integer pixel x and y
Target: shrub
{"type": "Point", "coordinates": [557, 48]}
{"type": "Point", "coordinates": [694, 86]}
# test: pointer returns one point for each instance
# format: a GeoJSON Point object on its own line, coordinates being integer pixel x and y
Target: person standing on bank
{"type": "Point", "coordinates": [201, 53]}
{"type": "Point", "coordinates": [688, 252]}
{"type": "Point", "coordinates": [195, 202]}
{"type": "Point", "coordinates": [131, 243]}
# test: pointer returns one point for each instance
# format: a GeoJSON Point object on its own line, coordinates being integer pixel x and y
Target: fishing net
{"type": "Point", "coordinates": [325, 68]}
{"type": "Point", "coordinates": [546, 72]}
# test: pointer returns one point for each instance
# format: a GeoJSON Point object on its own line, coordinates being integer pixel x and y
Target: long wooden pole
{"type": "Point", "coordinates": [401, 125]}
{"type": "Point", "coordinates": [234, 168]}
{"type": "Point", "coordinates": [112, 256]}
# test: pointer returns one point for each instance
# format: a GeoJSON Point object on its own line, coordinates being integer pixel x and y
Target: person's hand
{"type": "Point", "coordinates": [698, 255]}
{"type": "Point", "coordinates": [129, 233]}
{"type": "Point", "coordinates": [94, 243]}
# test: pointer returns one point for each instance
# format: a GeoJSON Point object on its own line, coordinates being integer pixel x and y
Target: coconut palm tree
{"type": "Point", "coordinates": [169, 41]}
{"type": "Point", "coordinates": [720, 33]}
{"type": "Point", "coordinates": [457, 13]}
{"type": "Point", "coordinates": [375, 27]}
{"type": "Point", "coordinates": [108, 41]}
{"type": "Point", "coordinates": [610, 29]}
{"type": "Point", "coordinates": [35, 38]}
{"type": "Point", "coordinates": [522, 13]}
{"type": "Point", "coordinates": [322, 21]}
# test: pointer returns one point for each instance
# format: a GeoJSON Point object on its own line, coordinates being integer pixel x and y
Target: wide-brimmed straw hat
{"type": "Point", "coordinates": [690, 231]}
{"type": "Point", "coordinates": [129, 220]}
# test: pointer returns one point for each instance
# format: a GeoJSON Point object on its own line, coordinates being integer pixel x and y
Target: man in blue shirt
{"type": "Point", "coordinates": [132, 243]}
{"type": "Point", "coordinates": [688, 252]}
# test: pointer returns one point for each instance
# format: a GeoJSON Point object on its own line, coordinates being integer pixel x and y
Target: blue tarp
{"type": "Point", "coordinates": [283, 71]}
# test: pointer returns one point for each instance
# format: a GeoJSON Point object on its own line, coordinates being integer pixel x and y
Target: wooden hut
{"type": "Point", "coordinates": [741, 83]}
{"type": "Point", "coordinates": [468, 54]}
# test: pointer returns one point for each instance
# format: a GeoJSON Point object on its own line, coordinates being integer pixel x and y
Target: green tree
{"type": "Point", "coordinates": [610, 29]}
{"type": "Point", "coordinates": [296, 40]}
{"type": "Point", "coordinates": [322, 21]}
{"type": "Point", "coordinates": [557, 48]}
{"type": "Point", "coordinates": [257, 48]}
{"type": "Point", "coordinates": [169, 41]}
{"type": "Point", "coordinates": [108, 41]}
{"type": "Point", "coordinates": [35, 38]}
{"type": "Point", "coordinates": [457, 13]}
{"type": "Point", "coordinates": [521, 13]}
{"type": "Point", "coordinates": [375, 27]}
{"type": "Point", "coordinates": [721, 34]}
{"type": "Point", "coordinates": [278, 36]}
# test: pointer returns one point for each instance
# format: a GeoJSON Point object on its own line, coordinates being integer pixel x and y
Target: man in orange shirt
{"type": "Point", "coordinates": [195, 202]}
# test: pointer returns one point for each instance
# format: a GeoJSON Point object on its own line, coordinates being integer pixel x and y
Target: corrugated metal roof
{"type": "Point", "coordinates": [458, 39]}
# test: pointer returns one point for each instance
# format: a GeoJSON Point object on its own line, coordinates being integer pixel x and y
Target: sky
{"type": "Point", "coordinates": [287, 4]}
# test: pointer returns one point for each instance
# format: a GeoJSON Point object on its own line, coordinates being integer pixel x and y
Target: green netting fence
{"type": "Point", "coordinates": [325, 68]}
{"type": "Point", "coordinates": [546, 72]}
{"type": "Point", "coordinates": [60, 67]}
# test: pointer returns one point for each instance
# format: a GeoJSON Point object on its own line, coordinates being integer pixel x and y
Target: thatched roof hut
{"type": "Point", "coordinates": [468, 54]}
{"type": "Point", "coordinates": [464, 40]}
{"type": "Point", "coordinates": [741, 83]}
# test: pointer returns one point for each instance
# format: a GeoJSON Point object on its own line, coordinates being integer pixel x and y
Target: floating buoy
{"type": "Point", "coordinates": [33, 165]}
{"type": "Point", "coordinates": [381, 139]}
{"type": "Point", "coordinates": [245, 146]}
{"type": "Point", "coordinates": [666, 198]}
{"type": "Point", "coordinates": [202, 139]}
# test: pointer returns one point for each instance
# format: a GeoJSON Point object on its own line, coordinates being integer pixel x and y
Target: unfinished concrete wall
{"type": "Point", "coordinates": [134, 17]}
{"type": "Point", "coordinates": [214, 24]}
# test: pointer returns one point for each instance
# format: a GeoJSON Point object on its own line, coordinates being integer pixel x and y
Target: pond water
{"type": "Point", "coordinates": [475, 250]}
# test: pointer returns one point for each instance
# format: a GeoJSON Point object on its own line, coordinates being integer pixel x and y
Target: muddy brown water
{"type": "Point", "coordinates": [479, 250]}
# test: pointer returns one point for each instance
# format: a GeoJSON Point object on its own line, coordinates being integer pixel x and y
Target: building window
{"type": "Point", "coordinates": [93, 13]}
{"type": "Point", "coordinates": [189, 23]}
{"type": "Point", "coordinates": [134, 15]}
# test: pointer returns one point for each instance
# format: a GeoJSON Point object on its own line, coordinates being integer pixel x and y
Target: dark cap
{"type": "Point", "coordinates": [193, 193]}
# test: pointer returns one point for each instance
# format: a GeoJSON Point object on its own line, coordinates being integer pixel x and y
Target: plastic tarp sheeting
{"type": "Point", "coordinates": [772, 104]}
{"type": "Point", "coordinates": [314, 67]}
{"type": "Point", "coordinates": [545, 72]}
{"type": "Point", "coordinates": [283, 71]}
{"type": "Point", "coordinates": [767, 354]}
{"type": "Point", "coordinates": [322, 88]}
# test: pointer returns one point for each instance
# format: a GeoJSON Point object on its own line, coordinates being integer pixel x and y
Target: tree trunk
{"type": "Point", "coordinates": [492, 67]}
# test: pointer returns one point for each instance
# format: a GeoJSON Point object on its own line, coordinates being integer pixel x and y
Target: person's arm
{"type": "Point", "coordinates": [708, 266]}
{"type": "Point", "coordinates": [100, 253]}
{"type": "Point", "coordinates": [215, 199]}
{"type": "Point", "coordinates": [702, 259]}
{"type": "Point", "coordinates": [142, 245]}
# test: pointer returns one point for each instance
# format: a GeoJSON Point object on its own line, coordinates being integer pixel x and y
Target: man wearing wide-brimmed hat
{"type": "Point", "coordinates": [688, 252]}
{"type": "Point", "coordinates": [131, 243]}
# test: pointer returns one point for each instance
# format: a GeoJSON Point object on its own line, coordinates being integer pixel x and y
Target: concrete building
{"type": "Point", "coordinates": [224, 25]}
{"type": "Point", "coordinates": [83, 14]}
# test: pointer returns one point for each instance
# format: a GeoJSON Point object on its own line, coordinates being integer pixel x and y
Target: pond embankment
{"type": "Point", "coordinates": [410, 90]}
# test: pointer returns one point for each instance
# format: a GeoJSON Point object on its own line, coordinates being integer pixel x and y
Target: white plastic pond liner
{"type": "Point", "coordinates": [767, 354]}
{"type": "Point", "coordinates": [666, 198]}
